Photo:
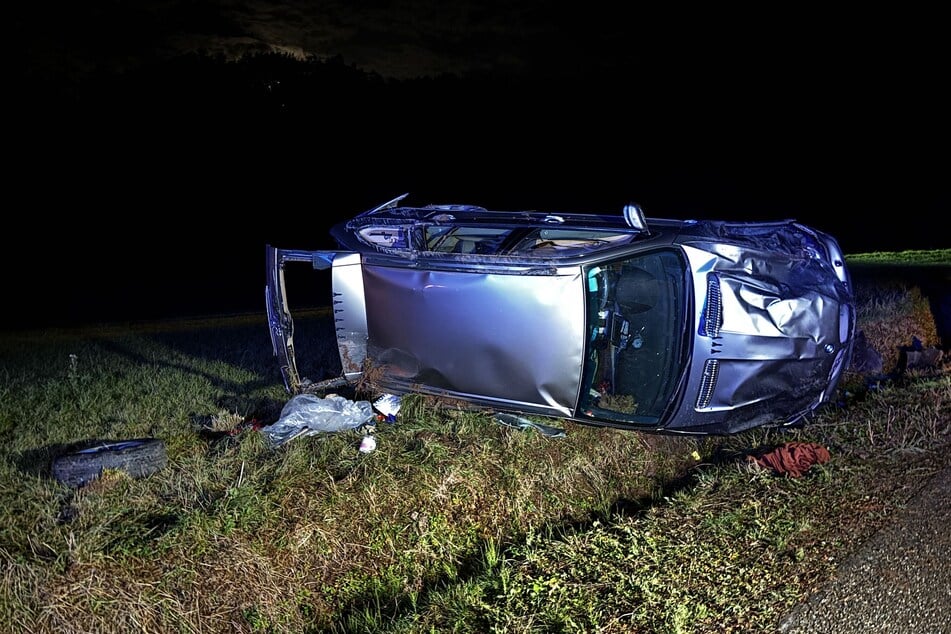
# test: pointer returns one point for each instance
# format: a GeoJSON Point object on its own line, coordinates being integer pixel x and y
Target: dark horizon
{"type": "Point", "coordinates": [151, 193]}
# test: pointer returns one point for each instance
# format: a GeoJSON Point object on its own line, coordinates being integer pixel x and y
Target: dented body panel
{"type": "Point", "coordinates": [498, 338]}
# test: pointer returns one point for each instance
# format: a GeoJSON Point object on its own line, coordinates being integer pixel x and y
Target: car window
{"type": "Point", "coordinates": [635, 349]}
{"type": "Point", "coordinates": [481, 240]}
{"type": "Point", "coordinates": [552, 242]}
{"type": "Point", "coordinates": [387, 236]}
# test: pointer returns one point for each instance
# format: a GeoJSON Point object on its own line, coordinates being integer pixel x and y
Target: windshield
{"type": "Point", "coordinates": [635, 351]}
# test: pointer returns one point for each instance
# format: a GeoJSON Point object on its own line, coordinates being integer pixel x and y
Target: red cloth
{"type": "Point", "coordinates": [793, 458]}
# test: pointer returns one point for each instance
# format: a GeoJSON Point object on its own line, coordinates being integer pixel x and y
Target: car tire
{"type": "Point", "coordinates": [138, 458]}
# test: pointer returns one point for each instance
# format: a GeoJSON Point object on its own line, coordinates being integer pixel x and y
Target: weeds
{"type": "Point", "coordinates": [454, 523]}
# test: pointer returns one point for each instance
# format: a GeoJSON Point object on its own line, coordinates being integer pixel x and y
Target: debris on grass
{"type": "Point", "coordinates": [792, 459]}
{"type": "Point", "coordinates": [520, 422]}
{"type": "Point", "coordinates": [308, 414]}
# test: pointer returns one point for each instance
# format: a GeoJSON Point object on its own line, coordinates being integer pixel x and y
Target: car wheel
{"type": "Point", "coordinates": [138, 458]}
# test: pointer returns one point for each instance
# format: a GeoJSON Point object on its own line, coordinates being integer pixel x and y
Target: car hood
{"type": "Point", "coordinates": [771, 334]}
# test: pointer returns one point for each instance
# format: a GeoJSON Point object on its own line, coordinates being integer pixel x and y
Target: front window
{"type": "Point", "coordinates": [636, 337]}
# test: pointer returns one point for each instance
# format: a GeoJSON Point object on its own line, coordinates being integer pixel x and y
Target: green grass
{"type": "Point", "coordinates": [454, 523]}
{"type": "Point", "coordinates": [937, 257]}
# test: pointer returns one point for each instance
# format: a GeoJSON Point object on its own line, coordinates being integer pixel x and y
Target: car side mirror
{"type": "Point", "coordinates": [634, 217]}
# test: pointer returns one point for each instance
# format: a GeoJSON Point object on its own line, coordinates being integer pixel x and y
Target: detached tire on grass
{"type": "Point", "coordinates": [138, 458]}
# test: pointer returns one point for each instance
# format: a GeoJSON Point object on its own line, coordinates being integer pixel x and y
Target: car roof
{"type": "Point", "coordinates": [396, 229]}
{"type": "Point", "coordinates": [462, 213]}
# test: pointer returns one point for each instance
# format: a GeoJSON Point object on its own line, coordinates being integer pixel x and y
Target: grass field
{"type": "Point", "coordinates": [453, 524]}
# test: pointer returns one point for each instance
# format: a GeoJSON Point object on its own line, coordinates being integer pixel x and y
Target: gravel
{"type": "Point", "coordinates": [898, 582]}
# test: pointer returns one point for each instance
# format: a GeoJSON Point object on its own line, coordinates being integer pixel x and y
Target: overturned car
{"type": "Point", "coordinates": [658, 325]}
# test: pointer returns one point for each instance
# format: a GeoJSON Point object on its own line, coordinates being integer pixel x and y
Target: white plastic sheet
{"type": "Point", "coordinates": [308, 414]}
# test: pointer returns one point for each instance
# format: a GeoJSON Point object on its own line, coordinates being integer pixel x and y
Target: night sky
{"type": "Point", "coordinates": [144, 184]}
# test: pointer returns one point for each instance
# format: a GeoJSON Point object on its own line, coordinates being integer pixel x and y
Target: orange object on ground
{"type": "Point", "coordinates": [793, 458]}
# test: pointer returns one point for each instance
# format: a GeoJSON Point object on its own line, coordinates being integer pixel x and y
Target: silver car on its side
{"type": "Point", "coordinates": [658, 325]}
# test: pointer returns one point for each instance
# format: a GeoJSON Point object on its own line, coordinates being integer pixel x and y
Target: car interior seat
{"type": "Point", "coordinates": [636, 291]}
